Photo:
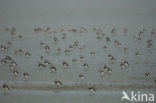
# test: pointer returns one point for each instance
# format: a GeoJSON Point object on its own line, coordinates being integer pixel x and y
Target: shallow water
{"type": "Point", "coordinates": [137, 16]}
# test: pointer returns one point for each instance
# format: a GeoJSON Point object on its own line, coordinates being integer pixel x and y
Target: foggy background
{"type": "Point", "coordinates": [26, 15]}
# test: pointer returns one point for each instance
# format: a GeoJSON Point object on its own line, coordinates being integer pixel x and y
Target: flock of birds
{"type": "Point", "coordinates": [10, 60]}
